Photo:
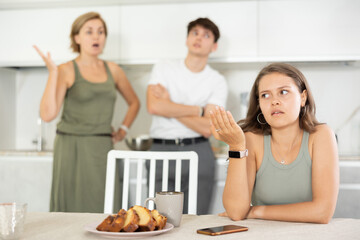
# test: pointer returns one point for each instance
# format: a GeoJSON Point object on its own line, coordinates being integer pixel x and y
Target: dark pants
{"type": "Point", "coordinates": [206, 173]}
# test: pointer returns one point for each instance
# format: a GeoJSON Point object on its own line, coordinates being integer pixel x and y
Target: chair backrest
{"type": "Point", "coordinates": [140, 157]}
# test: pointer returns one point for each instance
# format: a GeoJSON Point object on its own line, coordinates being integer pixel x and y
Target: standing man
{"type": "Point", "coordinates": [180, 96]}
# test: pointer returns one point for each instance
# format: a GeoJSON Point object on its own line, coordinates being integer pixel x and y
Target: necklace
{"type": "Point", "coordinates": [282, 159]}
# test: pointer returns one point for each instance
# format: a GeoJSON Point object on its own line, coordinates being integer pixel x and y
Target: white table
{"type": "Point", "coordinates": [41, 226]}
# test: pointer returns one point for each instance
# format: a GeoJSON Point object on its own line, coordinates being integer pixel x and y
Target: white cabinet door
{"type": "Point", "coordinates": [309, 29]}
{"type": "Point", "coordinates": [49, 29]}
{"type": "Point", "coordinates": [158, 31]}
{"type": "Point", "coordinates": [26, 179]}
{"type": "Point", "coordinates": [348, 203]}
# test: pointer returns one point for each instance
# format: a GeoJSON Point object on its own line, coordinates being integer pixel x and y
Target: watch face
{"type": "Point", "coordinates": [238, 154]}
{"type": "Point", "coordinates": [233, 154]}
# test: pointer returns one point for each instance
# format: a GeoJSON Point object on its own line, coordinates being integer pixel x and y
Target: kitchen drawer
{"type": "Point", "coordinates": [349, 172]}
{"type": "Point", "coordinates": [348, 204]}
{"type": "Point", "coordinates": [26, 179]}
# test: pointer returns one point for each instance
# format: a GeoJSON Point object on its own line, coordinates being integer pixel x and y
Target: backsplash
{"type": "Point", "coordinates": [334, 85]}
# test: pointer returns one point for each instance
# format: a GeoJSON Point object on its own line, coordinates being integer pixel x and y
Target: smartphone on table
{"type": "Point", "coordinates": [222, 230]}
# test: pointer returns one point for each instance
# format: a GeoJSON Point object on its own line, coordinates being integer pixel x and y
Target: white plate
{"type": "Point", "coordinates": [117, 235]}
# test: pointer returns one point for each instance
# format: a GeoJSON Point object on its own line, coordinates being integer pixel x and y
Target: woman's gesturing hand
{"type": "Point", "coordinates": [51, 66]}
{"type": "Point", "coordinates": [224, 128]}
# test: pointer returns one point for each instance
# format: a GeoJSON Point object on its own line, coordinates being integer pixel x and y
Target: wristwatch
{"type": "Point", "coordinates": [238, 154]}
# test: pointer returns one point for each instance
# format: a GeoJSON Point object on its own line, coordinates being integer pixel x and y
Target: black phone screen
{"type": "Point", "coordinates": [222, 229]}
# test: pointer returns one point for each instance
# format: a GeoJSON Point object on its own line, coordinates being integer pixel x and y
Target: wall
{"type": "Point", "coordinates": [335, 88]}
{"type": "Point", "coordinates": [30, 84]}
{"type": "Point", "coordinates": [7, 108]}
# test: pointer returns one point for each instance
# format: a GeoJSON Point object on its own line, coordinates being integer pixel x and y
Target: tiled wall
{"type": "Point", "coordinates": [7, 108]}
{"type": "Point", "coordinates": [335, 88]}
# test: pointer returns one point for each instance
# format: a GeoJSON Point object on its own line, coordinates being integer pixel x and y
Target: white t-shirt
{"type": "Point", "coordinates": [188, 88]}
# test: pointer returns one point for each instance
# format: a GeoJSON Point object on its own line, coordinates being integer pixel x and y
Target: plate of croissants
{"type": "Point", "coordinates": [136, 222]}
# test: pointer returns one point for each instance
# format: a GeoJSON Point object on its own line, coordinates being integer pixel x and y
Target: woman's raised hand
{"type": "Point", "coordinates": [51, 66]}
{"type": "Point", "coordinates": [224, 128]}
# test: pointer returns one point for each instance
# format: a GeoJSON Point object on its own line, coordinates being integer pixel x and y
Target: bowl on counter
{"type": "Point", "coordinates": [139, 143]}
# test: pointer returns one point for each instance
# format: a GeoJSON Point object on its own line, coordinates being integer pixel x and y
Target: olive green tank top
{"type": "Point", "coordinates": [88, 107]}
{"type": "Point", "coordinates": [276, 183]}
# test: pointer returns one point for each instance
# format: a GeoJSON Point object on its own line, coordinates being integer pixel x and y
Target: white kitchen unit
{"type": "Point", "coordinates": [145, 32]}
{"type": "Point", "coordinates": [49, 29]}
{"type": "Point", "coordinates": [137, 33]}
{"type": "Point", "coordinates": [26, 177]}
{"type": "Point", "coordinates": [315, 30]}
{"type": "Point", "coordinates": [158, 31]}
{"type": "Point", "coordinates": [348, 204]}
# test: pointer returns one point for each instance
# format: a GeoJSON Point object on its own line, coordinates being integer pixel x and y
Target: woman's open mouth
{"type": "Point", "coordinates": [276, 113]}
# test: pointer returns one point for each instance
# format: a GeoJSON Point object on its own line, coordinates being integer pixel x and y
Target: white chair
{"type": "Point", "coordinates": [140, 157]}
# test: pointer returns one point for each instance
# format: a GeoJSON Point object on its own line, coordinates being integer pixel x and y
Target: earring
{"type": "Point", "coordinates": [303, 111]}
{"type": "Point", "coordinates": [257, 118]}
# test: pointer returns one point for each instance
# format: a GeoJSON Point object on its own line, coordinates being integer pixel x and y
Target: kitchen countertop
{"type": "Point", "coordinates": [49, 153]}
{"type": "Point", "coordinates": [25, 153]}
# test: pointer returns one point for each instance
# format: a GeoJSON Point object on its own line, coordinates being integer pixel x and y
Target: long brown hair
{"type": "Point", "coordinates": [307, 119]}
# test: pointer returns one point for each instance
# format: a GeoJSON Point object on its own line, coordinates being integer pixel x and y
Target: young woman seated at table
{"type": "Point", "coordinates": [283, 163]}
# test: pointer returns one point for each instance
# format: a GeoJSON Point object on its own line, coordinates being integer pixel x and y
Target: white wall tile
{"type": "Point", "coordinates": [335, 88]}
{"type": "Point", "coordinates": [7, 108]}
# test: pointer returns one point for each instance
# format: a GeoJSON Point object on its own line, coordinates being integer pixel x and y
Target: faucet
{"type": "Point", "coordinates": [39, 140]}
{"type": "Point", "coordinates": [244, 102]}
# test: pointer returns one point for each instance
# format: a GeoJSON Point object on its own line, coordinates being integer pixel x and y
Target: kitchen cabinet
{"type": "Point", "coordinates": [326, 31]}
{"type": "Point", "coordinates": [348, 204]}
{"type": "Point", "coordinates": [26, 177]}
{"type": "Point", "coordinates": [49, 29]}
{"type": "Point", "coordinates": [152, 32]}
{"type": "Point", "coordinates": [139, 33]}
{"type": "Point", "coordinates": [15, 4]}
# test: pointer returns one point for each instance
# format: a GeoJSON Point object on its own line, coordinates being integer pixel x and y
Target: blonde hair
{"type": "Point", "coordinates": [79, 23]}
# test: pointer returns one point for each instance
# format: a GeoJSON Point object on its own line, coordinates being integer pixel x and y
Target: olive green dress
{"type": "Point", "coordinates": [81, 145]}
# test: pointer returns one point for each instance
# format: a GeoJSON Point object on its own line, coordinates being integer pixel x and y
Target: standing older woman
{"type": "Point", "coordinates": [86, 88]}
{"type": "Point", "coordinates": [286, 163]}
